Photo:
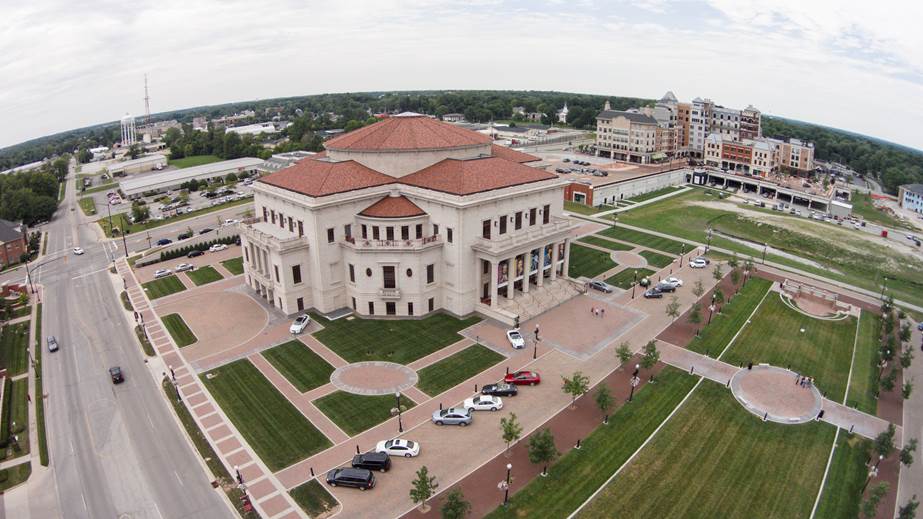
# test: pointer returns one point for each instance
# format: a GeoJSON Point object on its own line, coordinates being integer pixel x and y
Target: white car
{"type": "Point", "coordinates": [301, 322]}
{"type": "Point", "coordinates": [162, 273]}
{"type": "Point", "coordinates": [676, 282]}
{"type": "Point", "coordinates": [182, 267]}
{"type": "Point", "coordinates": [399, 447]}
{"type": "Point", "coordinates": [230, 221]}
{"type": "Point", "coordinates": [516, 339]}
{"type": "Point", "coordinates": [698, 264]}
{"type": "Point", "coordinates": [484, 403]}
{"type": "Point", "coordinates": [78, 251]}
{"type": "Point", "coordinates": [218, 247]}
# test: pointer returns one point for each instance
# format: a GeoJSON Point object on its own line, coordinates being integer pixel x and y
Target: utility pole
{"type": "Point", "coordinates": [147, 103]}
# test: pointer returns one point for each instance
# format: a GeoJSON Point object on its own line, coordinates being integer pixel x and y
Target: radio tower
{"type": "Point", "coordinates": [147, 103]}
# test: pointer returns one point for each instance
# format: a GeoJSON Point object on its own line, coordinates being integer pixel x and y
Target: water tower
{"type": "Point", "coordinates": [128, 130]}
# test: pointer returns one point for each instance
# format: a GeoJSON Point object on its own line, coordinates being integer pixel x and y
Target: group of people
{"type": "Point", "coordinates": [806, 382]}
{"type": "Point", "coordinates": [598, 312]}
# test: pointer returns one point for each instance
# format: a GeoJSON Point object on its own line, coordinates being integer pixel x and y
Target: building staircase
{"type": "Point", "coordinates": [539, 299]}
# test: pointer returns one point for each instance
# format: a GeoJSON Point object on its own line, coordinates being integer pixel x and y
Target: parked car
{"type": "Point", "coordinates": [52, 343]}
{"type": "Point", "coordinates": [164, 241]}
{"type": "Point", "coordinates": [195, 253]}
{"type": "Point", "coordinates": [363, 479]}
{"type": "Point", "coordinates": [602, 286]}
{"type": "Point", "coordinates": [703, 258]}
{"type": "Point", "coordinates": [78, 251]}
{"type": "Point", "coordinates": [675, 281]}
{"type": "Point", "coordinates": [115, 373]}
{"type": "Point", "coordinates": [664, 287]}
{"type": "Point", "coordinates": [653, 293]}
{"type": "Point", "coordinates": [230, 221]}
{"type": "Point", "coordinates": [218, 247]}
{"type": "Point", "coordinates": [515, 339]}
{"type": "Point", "coordinates": [379, 461]}
{"type": "Point", "coordinates": [183, 267]}
{"type": "Point", "coordinates": [162, 273]}
{"type": "Point", "coordinates": [523, 378]}
{"type": "Point", "coordinates": [301, 322]}
{"type": "Point", "coordinates": [399, 447]}
{"type": "Point", "coordinates": [184, 236]}
{"type": "Point", "coordinates": [452, 416]}
{"type": "Point", "coordinates": [483, 403]}
{"type": "Point", "coordinates": [501, 389]}
{"type": "Point", "coordinates": [698, 263]}
{"type": "Point", "coordinates": [206, 230]}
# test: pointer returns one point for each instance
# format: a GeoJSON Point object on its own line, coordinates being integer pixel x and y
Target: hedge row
{"type": "Point", "coordinates": [183, 251]}
{"type": "Point", "coordinates": [6, 409]}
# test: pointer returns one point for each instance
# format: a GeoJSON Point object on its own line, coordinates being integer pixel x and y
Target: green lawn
{"type": "Point", "coordinates": [645, 239]}
{"type": "Point", "coordinates": [574, 478]}
{"type": "Point", "coordinates": [356, 413]}
{"type": "Point", "coordinates": [121, 221]}
{"type": "Point", "coordinates": [18, 414]}
{"type": "Point", "coordinates": [862, 206]}
{"type": "Point", "coordinates": [87, 205]}
{"type": "Point", "coordinates": [656, 259]}
{"type": "Point", "coordinates": [584, 209]}
{"type": "Point", "coordinates": [14, 348]}
{"type": "Point", "coordinates": [276, 430]}
{"type": "Point", "coordinates": [181, 333]}
{"type": "Point", "coordinates": [715, 459]}
{"type": "Point", "coordinates": [823, 351]}
{"type": "Point", "coordinates": [109, 184]}
{"type": "Point", "coordinates": [716, 336]}
{"type": "Point", "coordinates": [588, 262]}
{"type": "Point", "coordinates": [842, 492]}
{"type": "Point", "coordinates": [234, 265]}
{"type": "Point", "coordinates": [146, 345]}
{"type": "Point", "coordinates": [313, 498]}
{"type": "Point", "coordinates": [864, 383]}
{"type": "Point", "coordinates": [655, 194]}
{"type": "Point", "coordinates": [456, 368]}
{"type": "Point", "coordinates": [607, 244]}
{"type": "Point", "coordinates": [194, 160]}
{"type": "Point", "coordinates": [40, 403]}
{"type": "Point", "coordinates": [626, 278]}
{"type": "Point", "coordinates": [203, 275]}
{"type": "Point", "coordinates": [14, 475]}
{"type": "Point", "coordinates": [163, 287]}
{"type": "Point", "coordinates": [400, 341]}
{"type": "Point", "coordinates": [302, 367]}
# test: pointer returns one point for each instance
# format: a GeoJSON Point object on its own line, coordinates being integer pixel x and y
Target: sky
{"type": "Point", "coordinates": [842, 63]}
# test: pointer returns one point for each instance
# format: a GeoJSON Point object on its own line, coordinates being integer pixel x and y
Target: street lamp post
{"type": "Point", "coordinates": [681, 255]}
{"type": "Point", "coordinates": [708, 237]}
{"type": "Point", "coordinates": [506, 489]}
{"type": "Point", "coordinates": [634, 284]}
{"type": "Point", "coordinates": [765, 246]}
{"type": "Point", "coordinates": [711, 308]}
{"type": "Point", "coordinates": [400, 422]}
{"type": "Point", "coordinates": [884, 286]}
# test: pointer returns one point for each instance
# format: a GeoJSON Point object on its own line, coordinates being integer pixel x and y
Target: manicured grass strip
{"type": "Point", "coordinates": [823, 351]}
{"type": "Point", "coordinates": [205, 450]}
{"type": "Point", "coordinates": [276, 430]}
{"type": "Point", "coordinates": [126, 302]}
{"type": "Point", "coordinates": [715, 459]}
{"type": "Point", "coordinates": [302, 367]}
{"type": "Point", "coordinates": [181, 333]}
{"type": "Point", "coordinates": [356, 413]}
{"type": "Point", "coordinates": [203, 275]}
{"type": "Point", "coordinates": [17, 413]}
{"type": "Point", "coordinates": [194, 160]}
{"type": "Point", "coordinates": [40, 402]}
{"type": "Point", "coordinates": [10, 477]}
{"type": "Point", "coordinates": [578, 474]}
{"type": "Point", "coordinates": [588, 262]}
{"type": "Point", "coordinates": [145, 342]}
{"type": "Point", "coordinates": [234, 265]}
{"type": "Point", "coordinates": [842, 492]}
{"type": "Point", "coordinates": [626, 278]}
{"type": "Point", "coordinates": [645, 239]}
{"type": "Point", "coordinates": [607, 244]}
{"type": "Point", "coordinates": [575, 207]}
{"type": "Point", "coordinates": [402, 341]}
{"type": "Point", "coordinates": [716, 335]}
{"type": "Point", "coordinates": [121, 221]}
{"type": "Point", "coordinates": [163, 287]}
{"type": "Point", "coordinates": [14, 348]}
{"type": "Point", "coordinates": [457, 368]}
{"type": "Point", "coordinates": [313, 498]}
{"type": "Point", "coordinates": [654, 194]}
{"type": "Point", "coordinates": [864, 385]}
{"type": "Point", "coordinates": [656, 259]}
{"type": "Point", "coordinates": [22, 311]}
{"type": "Point", "coordinates": [87, 205]}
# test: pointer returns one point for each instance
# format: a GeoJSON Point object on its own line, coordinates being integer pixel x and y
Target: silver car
{"type": "Point", "coordinates": [452, 416]}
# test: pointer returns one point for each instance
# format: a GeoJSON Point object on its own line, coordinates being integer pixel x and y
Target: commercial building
{"type": "Point", "coordinates": [406, 217]}
{"type": "Point", "coordinates": [910, 196]}
{"type": "Point", "coordinates": [139, 165]}
{"type": "Point", "coordinates": [170, 180]}
{"type": "Point", "coordinates": [14, 242]}
{"type": "Point", "coordinates": [760, 157]}
{"type": "Point", "coordinates": [626, 135]}
{"type": "Point", "coordinates": [454, 118]}
{"type": "Point", "coordinates": [252, 129]}
{"type": "Point", "coordinates": [282, 160]}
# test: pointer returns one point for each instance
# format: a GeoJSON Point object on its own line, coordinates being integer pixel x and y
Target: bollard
{"type": "Point", "coordinates": [765, 416]}
{"type": "Point", "coordinates": [606, 419]}
{"type": "Point", "coordinates": [691, 370]}
{"type": "Point", "coordinates": [475, 388]}
{"type": "Point", "coordinates": [507, 370]}
{"type": "Point", "coordinates": [851, 428]}
{"type": "Point", "coordinates": [729, 383]}
{"type": "Point", "coordinates": [357, 448]}
{"type": "Point", "coordinates": [440, 406]}
{"type": "Point", "coordinates": [578, 444]}
{"type": "Point", "coordinates": [312, 472]}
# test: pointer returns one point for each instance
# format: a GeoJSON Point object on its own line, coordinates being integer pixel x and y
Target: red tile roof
{"type": "Point", "coordinates": [405, 133]}
{"type": "Point", "coordinates": [314, 177]}
{"type": "Point", "coordinates": [393, 207]}
{"type": "Point", "coordinates": [465, 177]}
{"type": "Point", "coordinates": [510, 154]}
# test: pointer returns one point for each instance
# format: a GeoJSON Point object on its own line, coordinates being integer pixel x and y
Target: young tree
{"type": "Point", "coordinates": [673, 307]}
{"type": "Point", "coordinates": [909, 511]}
{"type": "Point", "coordinates": [735, 277]}
{"type": "Point", "coordinates": [512, 430]}
{"type": "Point", "coordinates": [604, 401]}
{"type": "Point", "coordinates": [455, 506]}
{"type": "Point", "coordinates": [695, 316]}
{"type": "Point", "coordinates": [423, 488]}
{"type": "Point", "coordinates": [717, 273]}
{"type": "Point", "coordinates": [698, 288]}
{"type": "Point", "coordinates": [907, 452]}
{"type": "Point", "coordinates": [870, 505]}
{"type": "Point", "coordinates": [884, 442]}
{"type": "Point", "coordinates": [733, 263]}
{"type": "Point", "coordinates": [887, 383]}
{"type": "Point", "coordinates": [623, 352]}
{"type": "Point", "coordinates": [907, 389]}
{"type": "Point", "coordinates": [906, 358]}
{"type": "Point", "coordinates": [650, 356]}
{"type": "Point", "coordinates": [719, 298]}
{"type": "Point", "coordinates": [542, 449]}
{"type": "Point", "coordinates": [575, 386]}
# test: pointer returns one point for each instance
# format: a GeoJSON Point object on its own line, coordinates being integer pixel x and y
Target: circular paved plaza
{"type": "Point", "coordinates": [629, 259]}
{"type": "Point", "coordinates": [775, 393]}
{"type": "Point", "coordinates": [373, 378]}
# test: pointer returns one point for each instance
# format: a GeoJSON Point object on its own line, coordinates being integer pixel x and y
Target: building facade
{"type": "Point", "coordinates": [13, 242]}
{"type": "Point", "coordinates": [405, 217]}
{"type": "Point", "coordinates": [627, 136]}
{"type": "Point", "coordinates": [910, 196]}
{"type": "Point", "coordinates": [761, 156]}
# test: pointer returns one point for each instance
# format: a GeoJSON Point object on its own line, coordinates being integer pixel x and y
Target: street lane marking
{"type": "Point", "coordinates": [178, 478]}
{"type": "Point", "coordinates": [81, 276]}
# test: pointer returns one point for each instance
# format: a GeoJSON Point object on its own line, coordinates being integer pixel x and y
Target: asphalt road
{"type": "Point", "coordinates": [116, 451]}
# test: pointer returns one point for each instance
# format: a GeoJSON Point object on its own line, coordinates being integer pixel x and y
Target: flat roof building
{"type": "Point", "coordinates": [138, 165]}
{"type": "Point", "coordinates": [169, 180]}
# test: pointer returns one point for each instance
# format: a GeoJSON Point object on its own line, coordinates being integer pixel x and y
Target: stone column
{"type": "Point", "coordinates": [565, 270]}
{"type": "Point", "coordinates": [540, 277]}
{"type": "Point", "coordinates": [554, 261]}
{"type": "Point", "coordinates": [510, 274]}
{"type": "Point", "coordinates": [526, 265]}
{"type": "Point", "coordinates": [494, 269]}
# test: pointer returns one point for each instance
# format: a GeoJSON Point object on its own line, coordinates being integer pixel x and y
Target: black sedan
{"type": "Point", "coordinates": [653, 294]}
{"type": "Point", "coordinates": [500, 389]}
{"type": "Point", "coordinates": [116, 374]}
{"type": "Point", "coordinates": [206, 230]}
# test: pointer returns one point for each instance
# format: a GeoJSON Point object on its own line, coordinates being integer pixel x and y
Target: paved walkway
{"type": "Point", "coordinates": [911, 480]}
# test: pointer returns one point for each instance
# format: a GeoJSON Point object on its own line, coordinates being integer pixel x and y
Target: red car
{"type": "Point", "coordinates": [523, 378]}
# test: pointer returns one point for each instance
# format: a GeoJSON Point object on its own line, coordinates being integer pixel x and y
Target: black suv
{"type": "Point", "coordinates": [195, 253]}
{"type": "Point", "coordinates": [379, 461]}
{"type": "Point", "coordinates": [184, 236]}
{"type": "Point", "coordinates": [501, 389]}
{"type": "Point", "coordinates": [348, 477]}
{"type": "Point", "coordinates": [116, 374]}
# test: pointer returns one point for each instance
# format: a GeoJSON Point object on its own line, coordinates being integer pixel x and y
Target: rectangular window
{"type": "Point", "coordinates": [330, 236]}
{"type": "Point", "coordinates": [371, 307]}
{"type": "Point", "coordinates": [375, 234]}
{"type": "Point", "coordinates": [348, 231]}
{"type": "Point", "coordinates": [389, 233]}
{"type": "Point", "coordinates": [246, 255]}
{"type": "Point", "coordinates": [265, 215]}
{"type": "Point", "coordinates": [291, 224]}
{"type": "Point", "coordinates": [272, 214]}
{"type": "Point", "coordinates": [546, 214]}
{"type": "Point", "coordinates": [410, 308]}
{"type": "Point", "coordinates": [365, 232]}
{"type": "Point", "coordinates": [281, 221]}
{"type": "Point", "coordinates": [485, 229]}
{"type": "Point", "coordinates": [518, 220]}
{"type": "Point", "coordinates": [405, 232]}
{"type": "Point", "coordinates": [300, 303]}
{"type": "Point", "coordinates": [419, 230]}
{"type": "Point", "coordinates": [391, 308]}
{"type": "Point", "coordinates": [275, 268]}
{"type": "Point", "coordinates": [387, 273]}
{"type": "Point", "coordinates": [503, 224]}
{"type": "Point", "coordinates": [354, 303]}
{"type": "Point", "coordinates": [435, 229]}
{"type": "Point", "coordinates": [296, 274]}
{"type": "Point", "coordinates": [431, 304]}
{"type": "Point", "coordinates": [430, 273]}
{"type": "Point", "coordinates": [533, 216]}
{"type": "Point", "coordinates": [448, 234]}
{"type": "Point", "coordinates": [352, 273]}
{"type": "Point", "coordinates": [300, 228]}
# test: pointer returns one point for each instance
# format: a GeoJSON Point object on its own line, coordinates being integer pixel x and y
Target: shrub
{"type": "Point", "coordinates": [182, 251]}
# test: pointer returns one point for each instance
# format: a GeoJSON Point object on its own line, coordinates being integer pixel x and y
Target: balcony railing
{"type": "Point", "coordinates": [363, 243]}
{"type": "Point", "coordinates": [268, 239]}
{"type": "Point", "coordinates": [515, 239]}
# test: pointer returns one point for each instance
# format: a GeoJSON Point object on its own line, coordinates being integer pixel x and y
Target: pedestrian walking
{"type": "Point", "coordinates": [603, 310]}
{"type": "Point", "coordinates": [593, 310]}
{"type": "Point", "coordinates": [797, 378]}
{"type": "Point", "coordinates": [801, 381]}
